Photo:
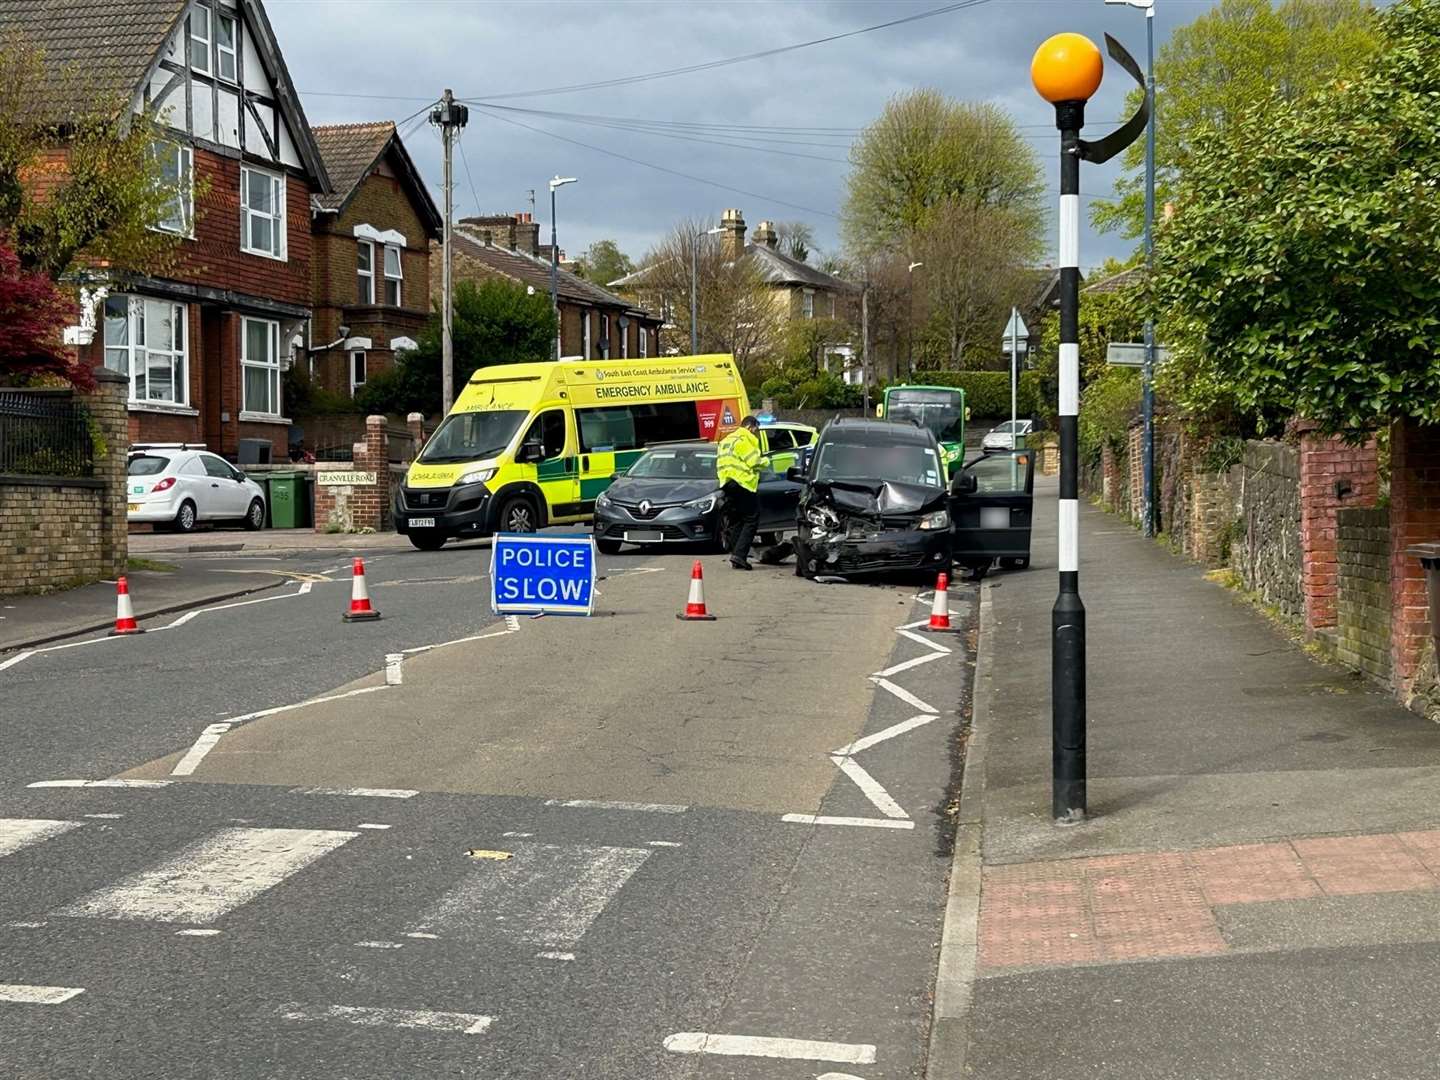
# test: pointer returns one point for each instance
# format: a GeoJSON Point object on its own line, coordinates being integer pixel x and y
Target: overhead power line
{"type": "Point", "coordinates": [710, 65]}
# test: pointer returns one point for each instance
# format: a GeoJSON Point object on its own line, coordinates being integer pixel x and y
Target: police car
{"type": "Point", "coordinates": [179, 485]}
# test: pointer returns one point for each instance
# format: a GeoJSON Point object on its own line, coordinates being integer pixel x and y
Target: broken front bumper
{"type": "Point", "coordinates": [892, 550]}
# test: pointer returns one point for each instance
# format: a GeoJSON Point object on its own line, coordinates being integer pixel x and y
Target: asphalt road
{"type": "Point", "coordinates": [620, 847]}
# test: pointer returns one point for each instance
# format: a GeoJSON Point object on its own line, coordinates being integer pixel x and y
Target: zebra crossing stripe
{"type": "Point", "coordinates": [546, 896]}
{"type": "Point", "coordinates": [17, 833]}
{"type": "Point", "coordinates": [210, 877]}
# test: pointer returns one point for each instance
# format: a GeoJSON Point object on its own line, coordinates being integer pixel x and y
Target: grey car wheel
{"type": "Point", "coordinates": [185, 517]}
{"type": "Point", "coordinates": [518, 516]}
{"type": "Point", "coordinates": [255, 515]}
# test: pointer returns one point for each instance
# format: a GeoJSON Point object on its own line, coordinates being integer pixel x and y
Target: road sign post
{"type": "Point", "coordinates": [542, 575]}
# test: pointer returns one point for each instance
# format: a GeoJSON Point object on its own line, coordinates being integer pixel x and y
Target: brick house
{"type": "Point", "coordinates": [594, 322]}
{"type": "Point", "coordinates": [371, 259]}
{"type": "Point", "coordinates": [203, 346]}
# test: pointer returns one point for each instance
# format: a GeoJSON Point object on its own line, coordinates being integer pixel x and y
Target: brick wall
{"type": "Point", "coordinates": [1109, 476]}
{"type": "Point", "coordinates": [1333, 475]}
{"type": "Point", "coordinates": [1267, 554]}
{"type": "Point", "coordinates": [1414, 519]}
{"type": "Point", "coordinates": [358, 507]}
{"type": "Point", "coordinates": [1362, 595]}
{"type": "Point", "coordinates": [60, 532]}
{"type": "Point", "coordinates": [1135, 471]}
{"type": "Point", "coordinates": [1212, 507]}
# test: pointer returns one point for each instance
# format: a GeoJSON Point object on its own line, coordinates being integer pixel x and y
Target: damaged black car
{"type": "Point", "coordinates": [874, 502]}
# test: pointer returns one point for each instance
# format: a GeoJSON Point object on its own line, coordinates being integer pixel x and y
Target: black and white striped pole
{"type": "Point", "coordinates": [1067, 70]}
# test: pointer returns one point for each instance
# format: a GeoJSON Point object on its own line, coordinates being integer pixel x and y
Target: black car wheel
{"type": "Point", "coordinates": [606, 546]}
{"type": "Point", "coordinates": [518, 515]}
{"type": "Point", "coordinates": [255, 515]}
{"type": "Point", "coordinates": [428, 540]}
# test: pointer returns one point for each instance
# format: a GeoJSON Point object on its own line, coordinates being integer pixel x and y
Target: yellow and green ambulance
{"type": "Point", "coordinates": [531, 445]}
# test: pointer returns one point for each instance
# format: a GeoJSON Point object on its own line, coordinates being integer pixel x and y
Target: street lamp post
{"type": "Point", "coordinates": [1067, 70]}
{"type": "Point", "coordinates": [910, 313]}
{"type": "Point", "coordinates": [557, 182]}
{"type": "Point", "coordinates": [1147, 406]}
{"type": "Point", "coordinates": [694, 289]}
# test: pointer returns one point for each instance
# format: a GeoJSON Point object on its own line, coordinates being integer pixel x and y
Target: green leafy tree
{"type": "Point", "coordinates": [80, 181]}
{"type": "Point", "coordinates": [1104, 317]}
{"type": "Point", "coordinates": [1301, 273]}
{"type": "Point", "coordinates": [1215, 70]}
{"type": "Point", "coordinates": [604, 262]}
{"type": "Point", "coordinates": [494, 322]}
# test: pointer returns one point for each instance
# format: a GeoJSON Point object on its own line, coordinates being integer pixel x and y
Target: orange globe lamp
{"type": "Point", "coordinates": [1067, 67]}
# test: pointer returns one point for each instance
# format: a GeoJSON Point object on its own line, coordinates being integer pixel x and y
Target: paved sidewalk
{"type": "Point", "coordinates": [1257, 892]}
{"type": "Point", "coordinates": [142, 543]}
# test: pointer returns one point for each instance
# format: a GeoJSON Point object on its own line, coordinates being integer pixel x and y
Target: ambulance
{"type": "Point", "coordinates": [531, 445]}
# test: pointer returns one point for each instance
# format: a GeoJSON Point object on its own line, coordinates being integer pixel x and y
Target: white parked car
{"type": "Point", "coordinates": [1002, 437]}
{"type": "Point", "coordinates": [179, 485]}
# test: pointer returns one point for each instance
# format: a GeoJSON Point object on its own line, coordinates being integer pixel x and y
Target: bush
{"type": "Point", "coordinates": [1107, 407]}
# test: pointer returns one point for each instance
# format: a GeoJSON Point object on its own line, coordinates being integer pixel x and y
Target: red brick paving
{"type": "Point", "coordinates": [1157, 904]}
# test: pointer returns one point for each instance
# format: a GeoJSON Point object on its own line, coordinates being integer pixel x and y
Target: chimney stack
{"type": "Point", "coordinates": [765, 235]}
{"type": "Point", "coordinates": [527, 233]}
{"type": "Point", "coordinates": [732, 240]}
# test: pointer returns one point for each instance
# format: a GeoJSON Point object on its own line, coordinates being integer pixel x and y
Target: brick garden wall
{"type": "Point", "coordinates": [57, 532]}
{"type": "Point", "coordinates": [1266, 555]}
{"type": "Point", "coordinates": [358, 507]}
{"type": "Point", "coordinates": [1362, 602]}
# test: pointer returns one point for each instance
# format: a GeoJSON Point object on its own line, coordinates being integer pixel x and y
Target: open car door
{"type": "Point", "coordinates": [992, 510]}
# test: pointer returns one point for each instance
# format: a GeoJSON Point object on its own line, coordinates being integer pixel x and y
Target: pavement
{"type": "Point", "coordinates": [613, 847]}
{"type": "Point", "coordinates": [231, 540]}
{"type": "Point", "coordinates": [1257, 889]}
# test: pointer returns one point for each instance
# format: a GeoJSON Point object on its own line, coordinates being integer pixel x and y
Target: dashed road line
{"type": "Point", "coordinates": [602, 804]}
{"type": "Point", "coordinates": [371, 825]}
{"type": "Point", "coordinates": [38, 995]}
{"type": "Point", "coordinates": [112, 783]}
{"type": "Point", "coordinates": [197, 932]}
{"type": "Point", "coordinates": [379, 944]}
{"type": "Point", "coordinates": [698, 1042]}
{"type": "Point", "coordinates": [563, 956]}
{"type": "Point", "coordinates": [359, 792]}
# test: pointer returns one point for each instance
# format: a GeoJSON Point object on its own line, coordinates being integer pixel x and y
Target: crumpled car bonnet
{"type": "Point", "coordinates": [879, 497]}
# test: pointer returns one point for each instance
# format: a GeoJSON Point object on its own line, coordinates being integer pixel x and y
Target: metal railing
{"type": "Point", "coordinates": [44, 435]}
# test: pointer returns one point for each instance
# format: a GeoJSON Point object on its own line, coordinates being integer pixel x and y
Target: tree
{"type": "Point", "coordinates": [1215, 70]}
{"type": "Point", "coordinates": [495, 321]}
{"type": "Point", "coordinates": [33, 314]}
{"type": "Point", "coordinates": [795, 239]}
{"type": "Point", "coordinates": [927, 152]}
{"type": "Point", "coordinates": [1301, 271]}
{"type": "Point", "coordinates": [1104, 317]}
{"type": "Point", "coordinates": [80, 180]}
{"type": "Point", "coordinates": [604, 262]}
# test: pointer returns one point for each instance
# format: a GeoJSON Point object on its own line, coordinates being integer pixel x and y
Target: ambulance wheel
{"type": "Point", "coordinates": [427, 541]}
{"type": "Point", "coordinates": [607, 547]}
{"type": "Point", "coordinates": [518, 515]}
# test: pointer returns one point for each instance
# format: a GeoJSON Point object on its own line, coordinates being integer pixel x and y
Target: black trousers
{"type": "Point", "coordinates": [742, 511]}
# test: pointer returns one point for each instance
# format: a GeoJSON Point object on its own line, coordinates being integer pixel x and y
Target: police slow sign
{"type": "Point", "coordinates": [542, 575]}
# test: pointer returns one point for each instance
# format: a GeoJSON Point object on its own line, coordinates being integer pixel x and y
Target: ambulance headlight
{"type": "Point", "coordinates": [476, 476]}
{"type": "Point", "coordinates": [704, 505]}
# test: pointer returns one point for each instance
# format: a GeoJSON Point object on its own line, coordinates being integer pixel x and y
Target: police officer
{"type": "Point", "coordinates": [738, 469]}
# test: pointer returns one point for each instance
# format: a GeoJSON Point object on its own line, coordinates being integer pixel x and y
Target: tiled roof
{"type": "Point", "coordinates": [780, 269]}
{"type": "Point", "coordinates": [99, 47]}
{"type": "Point", "coordinates": [531, 270]}
{"type": "Point", "coordinates": [349, 151]}
{"type": "Point", "coordinates": [1126, 279]}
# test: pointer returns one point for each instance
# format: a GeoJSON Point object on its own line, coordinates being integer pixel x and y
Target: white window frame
{"type": "Point", "coordinates": [270, 364]}
{"type": "Point", "coordinates": [137, 354]}
{"type": "Point", "coordinates": [277, 219]}
{"type": "Point", "coordinates": [807, 303]}
{"type": "Point", "coordinates": [398, 277]}
{"type": "Point", "coordinates": [644, 342]}
{"type": "Point", "coordinates": [208, 38]}
{"type": "Point", "coordinates": [364, 358]}
{"type": "Point", "coordinates": [368, 276]}
{"type": "Point", "coordinates": [221, 52]}
{"type": "Point", "coordinates": [625, 343]}
{"type": "Point", "coordinates": [585, 334]}
{"type": "Point", "coordinates": [185, 194]}
{"type": "Point", "coordinates": [604, 335]}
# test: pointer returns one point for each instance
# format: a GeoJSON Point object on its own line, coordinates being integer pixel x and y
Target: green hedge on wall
{"type": "Point", "coordinates": [987, 393]}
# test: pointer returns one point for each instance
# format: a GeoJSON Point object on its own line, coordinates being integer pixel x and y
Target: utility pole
{"type": "Point", "coordinates": [448, 116]}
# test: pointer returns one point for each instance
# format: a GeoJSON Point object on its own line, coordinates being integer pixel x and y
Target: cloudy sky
{"type": "Point", "coordinates": [371, 59]}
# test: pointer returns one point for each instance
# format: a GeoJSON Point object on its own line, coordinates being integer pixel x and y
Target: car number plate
{"type": "Point", "coordinates": [994, 517]}
{"type": "Point", "coordinates": [644, 536]}
{"type": "Point", "coordinates": [422, 523]}
{"type": "Point", "coordinates": [132, 507]}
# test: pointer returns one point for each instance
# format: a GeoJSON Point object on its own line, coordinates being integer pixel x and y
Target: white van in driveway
{"type": "Point", "coordinates": [176, 485]}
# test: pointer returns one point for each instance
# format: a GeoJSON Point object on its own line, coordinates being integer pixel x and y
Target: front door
{"type": "Point", "coordinates": [993, 521]}
{"type": "Point", "coordinates": [557, 470]}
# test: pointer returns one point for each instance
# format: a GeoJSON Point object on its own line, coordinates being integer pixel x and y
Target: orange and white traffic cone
{"type": "Point", "coordinates": [359, 596]}
{"type": "Point", "coordinates": [695, 606]}
{"type": "Point", "coordinates": [124, 613]}
{"type": "Point", "coordinates": [940, 609]}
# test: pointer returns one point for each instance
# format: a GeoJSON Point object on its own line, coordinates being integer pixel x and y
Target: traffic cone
{"type": "Point", "coordinates": [940, 609]}
{"type": "Point", "coordinates": [124, 614]}
{"type": "Point", "coordinates": [695, 607]}
{"type": "Point", "coordinates": [359, 596]}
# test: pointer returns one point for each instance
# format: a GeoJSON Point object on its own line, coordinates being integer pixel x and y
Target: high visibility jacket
{"type": "Point", "coordinates": [739, 459]}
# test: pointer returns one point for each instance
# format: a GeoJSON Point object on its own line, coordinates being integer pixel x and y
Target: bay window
{"type": "Point", "coordinates": [262, 213]}
{"type": "Point", "coordinates": [394, 275]}
{"type": "Point", "coordinates": [260, 366]}
{"type": "Point", "coordinates": [147, 341]}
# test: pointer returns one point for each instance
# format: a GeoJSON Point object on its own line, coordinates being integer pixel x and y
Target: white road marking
{"type": "Point", "coordinates": [106, 817]}
{"type": "Point", "coordinates": [457, 641]}
{"type": "Point", "coordinates": [889, 733]}
{"type": "Point", "coordinates": [203, 745]}
{"type": "Point", "coordinates": [663, 843]}
{"type": "Point", "coordinates": [414, 1019]}
{"type": "Point", "coordinates": [554, 956]}
{"type": "Point", "coordinates": [546, 896]}
{"type": "Point", "coordinates": [837, 1076]}
{"type": "Point", "coordinates": [379, 944]}
{"type": "Point", "coordinates": [870, 786]}
{"type": "Point", "coordinates": [37, 995]}
{"type": "Point", "coordinates": [371, 825]}
{"type": "Point", "coordinates": [698, 1042]}
{"type": "Point", "coordinates": [17, 833]}
{"type": "Point", "coordinates": [903, 694]}
{"type": "Point", "coordinates": [913, 625]}
{"type": "Point", "coordinates": [196, 933]}
{"type": "Point", "coordinates": [906, 665]}
{"type": "Point", "coordinates": [858, 822]}
{"type": "Point", "coordinates": [521, 835]}
{"type": "Point", "coordinates": [929, 643]}
{"type": "Point", "coordinates": [364, 792]}
{"type": "Point", "coordinates": [16, 659]}
{"type": "Point", "coordinates": [210, 877]}
{"type": "Point", "coordinates": [513, 622]}
{"type": "Point", "coordinates": [601, 804]}
{"type": "Point", "coordinates": [425, 937]}
{"type": "Point", "coordinates": [101, 783]}
{"type": "Point", "coordinates": [26, 925]}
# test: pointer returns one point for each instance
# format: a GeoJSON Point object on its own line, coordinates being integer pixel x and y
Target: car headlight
{"type": "Point", "coordinates": [602, 501]}
{"type": "Point", "coordinates": [704, 505]}
{"type": "Point", "coordinates": [938, 520]}
{"type": "Point", "coordinates": [476, 476]}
